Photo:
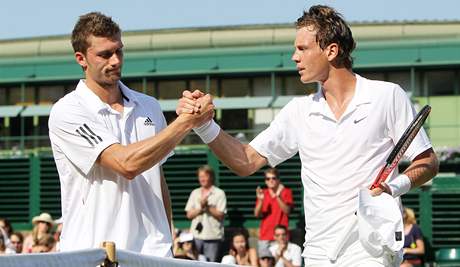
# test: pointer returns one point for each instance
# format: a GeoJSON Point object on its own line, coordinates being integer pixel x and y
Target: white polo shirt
{"type": "Point", "coordinates": [292, 254]}
{"type": "Point", "coordinates": [339, 157]}
{"type": "Point", "coordinates": [97, 203]}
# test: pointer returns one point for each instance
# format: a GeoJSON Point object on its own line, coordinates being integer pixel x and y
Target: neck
{"type": "Point", "coordinates": [109, 94]}
{"type": "Point", "coordinates": [340, 86]}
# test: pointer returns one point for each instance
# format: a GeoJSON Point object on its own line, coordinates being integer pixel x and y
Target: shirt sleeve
{"type": "Point", "coordinates": [222, 202]}
{"type": "Point", "coordinates": [400, 116]}
{"type": "Point", "coordinates": [296, 255]}
{"type": "Point", "coordinates": [78, 134]}
{"type": "Point", "coordinates": [286, 196]}
{"type": "Point", "coordinates": [190, 205]}
{"type": "Point", "coordinates": [279, 141]}
{"type": "Point", "coordinates": [417, 233]}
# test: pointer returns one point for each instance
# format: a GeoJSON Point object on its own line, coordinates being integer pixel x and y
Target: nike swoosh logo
{"type": "Point", "coordinates": [356, 121]}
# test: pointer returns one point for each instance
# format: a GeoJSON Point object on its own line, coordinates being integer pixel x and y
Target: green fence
{"type": "Point", "coordinates": [30, 185]}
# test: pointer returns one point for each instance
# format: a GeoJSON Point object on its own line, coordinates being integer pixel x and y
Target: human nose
{"type": "Point", "coordinates": [295, 57]}
{"type": "Point", "coordinates": [116, 59]}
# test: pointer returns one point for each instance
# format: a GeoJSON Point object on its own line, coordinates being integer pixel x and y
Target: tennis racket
{"type": "Point", "coordinates": [391, 162]}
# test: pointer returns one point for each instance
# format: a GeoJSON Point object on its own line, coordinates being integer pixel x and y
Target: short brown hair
{"type": "Point", "coordinates": [330, 28]}
{"type": "Point", "coordinates": [208, 170]}
{"type": "Point", "coordinates": [93, 23]}
{"type": "Point", "coordinates": [273, 171]}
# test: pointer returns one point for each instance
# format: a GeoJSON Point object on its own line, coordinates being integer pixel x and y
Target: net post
{"type": "Point", "coordinates": [111, 256]}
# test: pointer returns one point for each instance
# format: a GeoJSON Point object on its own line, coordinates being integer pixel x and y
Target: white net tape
{"type": "Point", "coordinates": [94, 257]}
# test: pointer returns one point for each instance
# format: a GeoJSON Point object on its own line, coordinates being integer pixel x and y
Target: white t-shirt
{"type": "Point", "coordinates": [339, 157]}
{"type": "Point", "coordinates": [213, 229]}
{"type": "Point", "coordinates": [99, 204]}
{"type": "Point", "coordinates": [292, 254]}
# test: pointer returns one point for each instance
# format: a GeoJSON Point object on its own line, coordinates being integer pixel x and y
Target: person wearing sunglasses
{"type": "Point", "coordinates": [273, 205]}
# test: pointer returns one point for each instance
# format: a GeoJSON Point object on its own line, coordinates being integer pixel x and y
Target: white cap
{"type": "Point", "coordinates": [380, 223]}
{"type": "Point", "coordinates": [185, 236]}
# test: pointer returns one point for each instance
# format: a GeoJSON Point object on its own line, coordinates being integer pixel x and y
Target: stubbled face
{"type": "Point", "coordinates": [271, 181]}
{"type": "Point", "coordinates": [311, 61]}
{"type": "Point", "coordinates": [103, 60]}
{"type": "Point", "coordinates": [239, 243]}
{"type": "Point", "coordinates": [204, 179]}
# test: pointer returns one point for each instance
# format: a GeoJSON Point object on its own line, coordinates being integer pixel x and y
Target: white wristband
{"type": "Point", "coordinates": [208, 131]}
{"type": "Point", "coordinates": [400, 185]}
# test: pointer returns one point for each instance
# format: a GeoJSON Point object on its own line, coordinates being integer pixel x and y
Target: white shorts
{"type": "Point", "coordinates": [354, 255]}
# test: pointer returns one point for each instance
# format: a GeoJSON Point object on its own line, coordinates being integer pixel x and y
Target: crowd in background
{"type": "Point", "coordinates": [43, 238]}
{"type": "Point", "coordinates": [206, 208]}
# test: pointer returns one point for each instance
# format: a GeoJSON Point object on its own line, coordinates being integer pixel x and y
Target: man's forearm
{"type": "Point", "coordinates": [423, 168]}
{"type": "Point", "coordinates": [284, 207]}
{"type": "Point", "coordinates": [217, 214]}
{"type": "Point", "coordinates": [240, 158]}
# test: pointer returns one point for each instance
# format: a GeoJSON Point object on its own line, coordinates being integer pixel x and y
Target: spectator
{"type": "Point", "coordinates": [42, 226]}
{"type": "Point", "coordinates": [240, 253]}
{"type": "Point", "coordinates": [6, 225]}
{"type": "Point", "coordinates": [286, 254]}
{"type": "Point", "coordinates": [273, 205]}
{"type": "Point", "coordinates": [2, 244]}
{"type": "Point", "coordinates": [266, 258]}
{"type": "Point", "coordinates": [414, 247]}
{"type": "Point", "coordinates": [206, 207]}
{"type": "Point", "coordinates": [186, 248]}
{"type": "Point", "coordinates": [16, 241]}
{"type": "Point", "coordinates": [44, 244]}
{"type": "Point", "coordinates": [57, 234]}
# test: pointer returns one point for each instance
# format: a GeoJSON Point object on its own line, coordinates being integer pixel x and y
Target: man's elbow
{"type": "Point", "coordinates": [434, 165]}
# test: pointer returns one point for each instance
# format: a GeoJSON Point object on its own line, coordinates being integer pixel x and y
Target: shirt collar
{"type": "Point", "coordinates": [94, 103]}
{"type": "Point", "coordinates": [361, 97]}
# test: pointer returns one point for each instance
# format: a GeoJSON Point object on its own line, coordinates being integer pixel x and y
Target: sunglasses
{"type": "Point", "coordinates": [268, 178]}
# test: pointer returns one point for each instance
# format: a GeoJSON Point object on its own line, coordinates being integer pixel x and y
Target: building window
{"type": "Point", "coordinates": [49, 94]}
{"type": "Point", "coordinates": [440, 82]}
{"type": "Point", "coordinates": [293, 86]}
{"type": "Point", "coordinates": [402, 78]}
{"type": "Point", "coordinates": [171, 89]}
{"type": "Point", "coordinates": [234, 87]}
{"type": "Point", "coordinates": [3, 96]}
{"type": "Point", "coordinates": [16, 97]}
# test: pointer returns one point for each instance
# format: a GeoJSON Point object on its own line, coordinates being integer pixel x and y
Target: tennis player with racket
{"type": "Point", "coordinates": [343, 135]}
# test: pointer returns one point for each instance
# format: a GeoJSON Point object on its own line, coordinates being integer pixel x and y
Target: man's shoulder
{"type": "Point", "coordinates": [218, 190]}
{"type": "Point", "coordinates": [379, 85]}
{"type": "Point", "coordinates": [294, 247]}
{"type": "Point", "coordinates": [68, 104]}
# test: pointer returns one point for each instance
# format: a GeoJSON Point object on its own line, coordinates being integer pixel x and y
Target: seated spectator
{"type": "Point", "coordinates": [414, 247]}
{"type": "Point", "coordinates": [186, 248]}
{"type": "Point", "coordinates": [240, 253]}
{"type": "Point", "coordinates": [16, 241]}
{"type": "Point", "coordinates": [57, 234]}
{"type": "Point", "coordinates": [266, 258]}
{"type": "Point", "coordinates": [42, 225]}
{"type": "Point", "coordinates": [6, 226]}
{"type": "Point", "coordinates": [2, 244]}
{"type": "Point", "coordinates": [44, 244]}
{"type": "Point", "coordinates": [286, 254]}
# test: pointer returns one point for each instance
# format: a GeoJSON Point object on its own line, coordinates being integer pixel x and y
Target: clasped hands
{"type": "Point", "coordinates": [197, 105]}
